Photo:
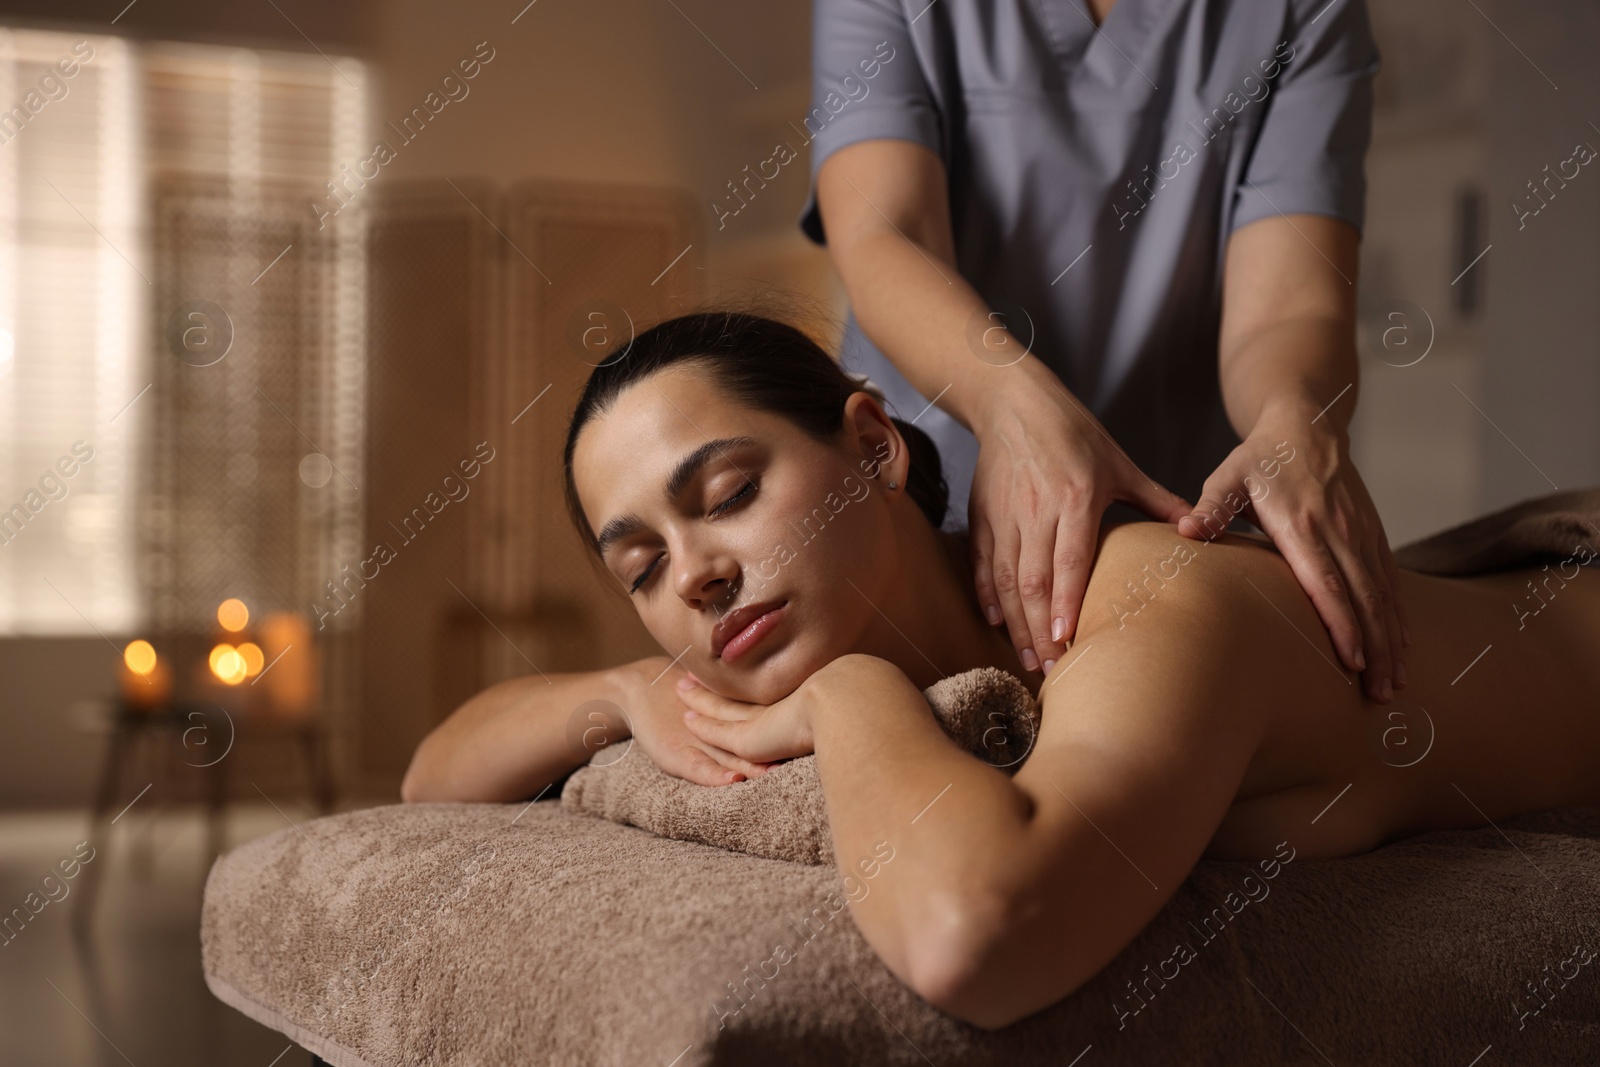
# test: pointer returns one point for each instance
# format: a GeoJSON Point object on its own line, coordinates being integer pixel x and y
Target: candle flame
{"type": "Point", "coordinates": [228, 665]}
{"type": "Point", "coordinates": [140, 656]}
{"type": "Point", "coordinates": [233, 615]}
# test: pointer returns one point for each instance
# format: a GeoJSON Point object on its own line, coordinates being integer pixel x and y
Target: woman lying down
{"type": "Point", "coordinates": [1205, 716]}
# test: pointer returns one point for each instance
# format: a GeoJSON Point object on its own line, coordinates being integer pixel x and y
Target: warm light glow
{"type": "Point", "coordinates": [140, 656]}
{"type": "Point", "coordinates": [227, 664]}
{"type": "Point", "coordinates": [233, 615]}
{"type": "Point", "coordinates": [253, 659]}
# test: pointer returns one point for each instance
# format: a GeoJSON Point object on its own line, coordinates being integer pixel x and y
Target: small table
{"type": "Point", "coordinates": [206, 733]}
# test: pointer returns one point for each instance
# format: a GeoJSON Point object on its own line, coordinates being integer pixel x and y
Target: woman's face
{"type": "Point", "coordinates": [710, 511]}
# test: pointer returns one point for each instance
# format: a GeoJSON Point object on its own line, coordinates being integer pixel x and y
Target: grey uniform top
{"type": "Point", "coordinates": [1094, 179]}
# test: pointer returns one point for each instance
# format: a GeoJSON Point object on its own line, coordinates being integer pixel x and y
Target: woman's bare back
{"type": "Point", "coordinates": [1501, 715]}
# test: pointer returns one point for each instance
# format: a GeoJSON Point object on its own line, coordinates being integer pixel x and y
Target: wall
{"type": "Point", "coordinates": [1414, 438]}
{"type": "Point", "coordinates": [1542, 375]}
{"type": "Point", "coordinates": [625, 92]}
{"type": "Point", "coordinates": [50, 754]}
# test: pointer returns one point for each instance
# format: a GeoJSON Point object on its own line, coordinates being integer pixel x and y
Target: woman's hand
{"type": "Point", "coordinates": [655, 715]}
{"type": "Point", "coordinates": [764, 733]}
{"type": "Point", "coordinates": [1318, 513]}
{"type": "Point", "coordinates": [1046, 472]}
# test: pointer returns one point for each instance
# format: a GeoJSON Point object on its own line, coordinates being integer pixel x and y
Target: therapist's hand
{"type": "Point", "coordinates": [1319, 515]}
{"type": "Point", "coordinates": [1046, 472]}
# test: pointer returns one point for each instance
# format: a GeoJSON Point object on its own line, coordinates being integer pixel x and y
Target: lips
{"type": "Point", "coordinates": [735, 622]}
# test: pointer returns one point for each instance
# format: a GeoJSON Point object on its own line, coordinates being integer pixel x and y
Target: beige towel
{"type": "Point", "coordinates": [1544, 529]}
{"type": "Point", "coordinates": [782, 814]}
{"type": "Point", "coordinates": [514, 935]}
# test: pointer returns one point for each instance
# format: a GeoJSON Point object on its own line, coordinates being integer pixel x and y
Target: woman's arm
{"type": "Point", "coordinates": [511, 741]}
{"type": "Point", "coordinates": [1006, 894]}
{"type": "Point", "coordinates": [514, 739]}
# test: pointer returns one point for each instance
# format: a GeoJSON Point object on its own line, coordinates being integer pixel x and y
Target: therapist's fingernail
{"type": "Point", "coordinates": [1058, 629]}
{"type": "Point", "coordinates": [1399, 675]}
{"type": "Point", "coordinates": [1048, 664]}
{"type": "Point", "coordinates": [992, 613]}
{"type": "Point", "coordinates": [1405, 636]}
{"type": "Point", "coordinates": [1029, 660]}
{"type": "Point", "coordinates": [1361, 660]}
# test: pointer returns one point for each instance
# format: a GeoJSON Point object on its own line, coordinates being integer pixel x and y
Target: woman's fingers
{"type": "Point", "coordinates": [738, 765]}
{"type": "Point", "coordinates": [714, 731]}
{"type": "Point", "coordinates": [703, 768]}
{"type": "Point", "coordinates": [733, 738]}
{"type": "Point", "coordinates": [722, 723]}
{"type": "Point", "coordinates": [707, 702]}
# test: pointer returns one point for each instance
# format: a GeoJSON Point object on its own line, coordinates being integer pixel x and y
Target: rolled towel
{"type": "Point", "coordinates": [782, 814]}
{"type": "Point", "coordinates": [1543, 529]}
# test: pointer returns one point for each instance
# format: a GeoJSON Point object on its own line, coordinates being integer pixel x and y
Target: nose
{"type": "Point", "coordinates": [705, 576]}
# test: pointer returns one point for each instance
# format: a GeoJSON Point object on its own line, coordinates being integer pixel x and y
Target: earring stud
{"type": "Point", "coordinates": [894, 485]}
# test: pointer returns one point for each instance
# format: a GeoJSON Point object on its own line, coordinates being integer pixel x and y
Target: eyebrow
{"type": "Point", "coordinates": [677, 482]}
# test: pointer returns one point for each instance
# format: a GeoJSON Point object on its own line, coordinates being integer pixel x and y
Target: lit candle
{"type": "Point", "coordinates": [233, 615]}
{"type": "Point", "coordinates": [143, 677]}
{"type": "Point", "coordinates": [291, 677]}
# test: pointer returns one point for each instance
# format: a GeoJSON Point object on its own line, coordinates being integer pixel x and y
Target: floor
{"type": "Point", "coordinates": [131, 990]}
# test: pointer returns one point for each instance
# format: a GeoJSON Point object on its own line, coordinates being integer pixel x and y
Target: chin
{"type": "Point", "coordinates": [773, 678]}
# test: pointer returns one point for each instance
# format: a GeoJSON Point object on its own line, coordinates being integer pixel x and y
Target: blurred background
{"type": "Point", "coordinates": [281, 411]}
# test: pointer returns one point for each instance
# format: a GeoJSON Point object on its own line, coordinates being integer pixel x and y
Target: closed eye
{"type": "Point", "coordinates": [749, 487]}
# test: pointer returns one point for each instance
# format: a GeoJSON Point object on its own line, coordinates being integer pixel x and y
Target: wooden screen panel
{"type": "Point", "coordinates": [431, 329]}
{"type": "Point", "coordinates": [587, 247]}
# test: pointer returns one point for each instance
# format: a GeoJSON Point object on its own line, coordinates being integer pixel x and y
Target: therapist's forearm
{"type": "Point", "coordinates": [918, 311]}
{"type": "Point", "coordinates": [890, 774]}
{"type": "Point", "coordinates": [1290, 372]}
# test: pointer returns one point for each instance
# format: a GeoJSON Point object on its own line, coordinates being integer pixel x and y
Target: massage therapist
{"type": "Point", "coordinates": [1107, 247]}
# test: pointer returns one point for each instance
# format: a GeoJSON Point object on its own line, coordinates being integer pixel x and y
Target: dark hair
{"type": "Point", "coordinates": [762, 363]}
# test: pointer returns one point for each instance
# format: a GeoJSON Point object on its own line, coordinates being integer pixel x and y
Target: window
{"type": "Point", "coordinates": [138, 182]}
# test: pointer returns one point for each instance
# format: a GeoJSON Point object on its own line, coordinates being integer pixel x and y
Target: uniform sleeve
{"type": "Point", "coordinates": [866, 83]}
{"type": "Point", "coordinates": [1310, 152]}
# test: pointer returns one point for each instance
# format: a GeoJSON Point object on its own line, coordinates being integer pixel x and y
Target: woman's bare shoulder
{"type": "Point", "coordinates": [1142, 563]}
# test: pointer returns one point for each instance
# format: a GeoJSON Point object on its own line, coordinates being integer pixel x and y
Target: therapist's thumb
{"type": "Point", "coordinates": [1209, 519]}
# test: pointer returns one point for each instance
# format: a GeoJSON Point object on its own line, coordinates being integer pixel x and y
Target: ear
{"type": "Point", "coordinates": [871, 434]}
